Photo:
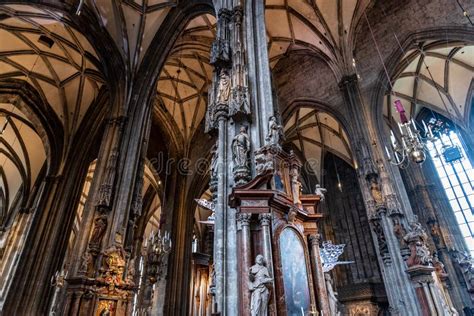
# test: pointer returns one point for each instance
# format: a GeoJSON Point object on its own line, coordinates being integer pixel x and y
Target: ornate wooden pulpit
{"type": "Point", "coordinates": [276, 221]}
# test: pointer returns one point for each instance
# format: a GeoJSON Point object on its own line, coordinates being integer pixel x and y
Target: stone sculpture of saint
{"type": "Point", "coordinates": [376, 192]}
{"type": "Point", "coordinates": [332, 296]}
{"type": "Point", "coordinates": [223, 92]}
{"type": "Point", "coordinates": [275, 132]}
{"type": "Point", "coordinates": [295, 187]}
{"type": "Point", "coordinates": [241, 149]}
{"type": "Point", "coordinates": [100, 225]}
{"type": "Point", "coordinates": [258, 286]}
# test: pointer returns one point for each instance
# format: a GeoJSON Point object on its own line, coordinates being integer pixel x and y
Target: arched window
{"type": "Point", "coordinates": [457, 176]}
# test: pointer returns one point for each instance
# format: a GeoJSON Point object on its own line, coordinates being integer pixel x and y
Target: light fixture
{"type": "Point", "coordinates": [412, 146]}
{"type": "Point", "coordinates": [330, 253]}
{"type": "Point", "coordinates": [159, 246]}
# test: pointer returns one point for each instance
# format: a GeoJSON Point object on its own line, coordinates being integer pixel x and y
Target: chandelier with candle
{"type": "Point", "coordinates": [159, 246]}
{"type": "Point", "coordinates": [412, 147]}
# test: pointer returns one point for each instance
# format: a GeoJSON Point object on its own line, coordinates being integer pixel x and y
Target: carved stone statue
{"type": "Point", "coordinates": [214, 161]}
{"type": "Point", "coordinates": [86, 261]}
{"type": "Point", "coordinates": [320, 192]}
{"type": "Point", "coordinates": [241, 149]}
{"type": "Point", "coordinates": [376, 192]}
{"type": "Point", "coordinates": [295, 187]}
{"type": "Point", "coordinates": [100, 226]}
{"type": "Point", "coordinates": [419, 252]}
{"type": "Point", "coordinates": [258, 286]}
{"type": "Point", "coordinates": [332, 296]}
{"type": "Point", "coordinates": [223, 91]}
{"type": "Point", "coordinates": [399, 232]}
{"type": "Point", "coordinates": [275, 132]}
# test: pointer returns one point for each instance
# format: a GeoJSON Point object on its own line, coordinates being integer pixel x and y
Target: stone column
{"type": "Point", "coordinates": [245, 263]}
{"type": "Point", "coordinates": [318, 274]}
{"type": "Point", "coordinates": [381, 202]}
{"type": "Point", "coordinates": [265, 222]}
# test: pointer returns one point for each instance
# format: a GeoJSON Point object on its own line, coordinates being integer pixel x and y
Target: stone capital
{"type": "Point", "coordinates": [244, 218]}
{"type": "Point", "coordinates": [314, 239]}
{"type": "Point", "coordinates": [265, 219]}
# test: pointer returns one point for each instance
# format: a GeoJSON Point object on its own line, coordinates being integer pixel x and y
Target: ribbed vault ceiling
{"type": "Point", "coordinates": [185, 78]}
{"type": "Point", "coordinates": [66, 75]}
{"type": "Point", "coordinates": [437, 76]}
{"type": "Point", "coordinates": [22, 156]}
{"type": "Point", "coordinates": [319, 26]}
{"type": "Point", "coordinates": [132, 23]}
{"type": "Point", "coordinates": [314, 132]}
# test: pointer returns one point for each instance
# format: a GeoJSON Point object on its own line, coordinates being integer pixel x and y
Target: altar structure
{"type": "Point", "coordinates": [279, 224]}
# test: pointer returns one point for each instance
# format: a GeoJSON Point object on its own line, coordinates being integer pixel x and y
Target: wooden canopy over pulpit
{"type": "Point", "coordinates": [277, 222]}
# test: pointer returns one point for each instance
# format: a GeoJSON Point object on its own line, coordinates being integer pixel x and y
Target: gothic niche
{"type": "Point", "coordinates": [295, 275]}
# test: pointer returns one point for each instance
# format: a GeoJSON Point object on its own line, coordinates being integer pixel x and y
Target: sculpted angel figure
{"type": "Point", "coordinates": [241, 148]}
{"type": "Point", "coordinates": [259, 280]}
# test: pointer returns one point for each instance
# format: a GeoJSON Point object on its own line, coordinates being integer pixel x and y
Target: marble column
{"type": "Point", "coordinates": [318, 274]}
{"type": "Point", "coordinates": [265, 222]}
{"type": "Point", "coordinates": [243, 220]}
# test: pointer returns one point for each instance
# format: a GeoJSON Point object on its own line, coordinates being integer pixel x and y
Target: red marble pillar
{"type": "Point", "coordinates": [318, 274]}
{"type": "Point", "coordinates": [245, 252]}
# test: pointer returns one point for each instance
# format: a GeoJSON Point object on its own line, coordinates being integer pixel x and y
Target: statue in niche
{"type": "Point", "coordinates": [275, 132]}
{"type": "Point", "coordinates": [214, 157]}
{"type": "Point", "coordinates": [295, 187]}
{"type": "Point", "coordinates": [223, 91]}
{"type": "Point", "coordinates": [241, 149]}
{"type": "Point", "coordinates": [376, 192]}
{"type": "Point", "coordinates": [399, 232]}
{"type": "Point", "coordinates": [86, 261]}
{"type": "Point", "coordinates": [320, 192]}
{"type": "Point", "coordinates": [100, 226]}
{"type": "Point", "coordinates": [332, 296]}
{"type": "Point", "coordinates": [258, 286]}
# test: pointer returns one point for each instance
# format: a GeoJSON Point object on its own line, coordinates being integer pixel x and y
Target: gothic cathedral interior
{"type": "Point", "coordinates": [236, 157]}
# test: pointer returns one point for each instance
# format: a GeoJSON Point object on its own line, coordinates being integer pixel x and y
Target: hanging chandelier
{"type": "Point", "coordinates": [159, 247]}
{"type": "Point", "coordinates": [413, 145]}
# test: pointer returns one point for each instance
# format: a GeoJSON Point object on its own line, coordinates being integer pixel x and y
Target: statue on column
{"type": "Point", "coordinates": [241, 148]}
{"type": "Point", "coordinates": [296, 187]}
{"type": "Point", "coordinates": [332, 296]}
{"type": "Point", "coordinates": [376, 192]}
{"type": "Point", "coordinates": [275, 132]}
{"type": "Point", "coordinates": [100, 225]}
{"type": "Point", "coordinates": [416, 241]}
{"type": "Point", "coordinates": [320, 192]}
{"type": "Point", "coordinates": [259, 280]}
{"type": "Point", "coordinates": [223, 90]}
{"type": "Point", "coordinates": [240, 157]}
